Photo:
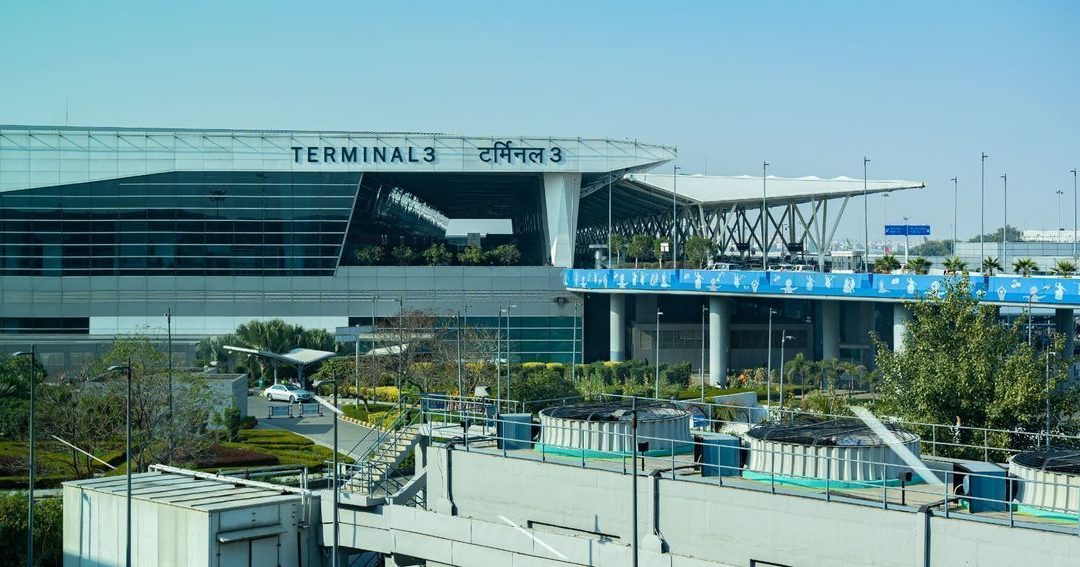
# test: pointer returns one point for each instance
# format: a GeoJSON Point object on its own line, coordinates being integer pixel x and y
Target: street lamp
{"type": "Point", "coordinates": [1049, 353]}
{"type": "Point", "coordinates": [1073, 171]}
{"type": "Point", "coordinates": [656, 389]}
{"type": "Point", "coordinates": [982, 204]}
{"type": "Point", "coordinates": [674, 219]}
{"type": "Point", "coordinates": [633, 478]}
{"type": "Point", "coordinates": [335, 411]}
{"type": "Point", "coordinates": [955, 208]}
{"type": "Point", "coordinates": [32, 355]}
{"type": "Point", "coordinates": [609, 219]}
{"type": "Point", "coordinates": [764, 218]}
{"type": "Point", "coordinates": [168, 330]}
{"type": "Point", "coordinates": [866, 218]}
{"type": "Point", "coordinates": [768, 363]}
{"type": "Point", "coordinates": [704, 313]}
{"type": "Point", "coordinates": [1059, 193]}
{"type": "Point", "coordinates": [1005, 229]}
{"type": "Point", "coordinates": [574, 345]}
{"type": "Point", "coordinates": [784, 337]}
{"type": "Point", "coordinates": [127, 443]}
{"type": "Point", "coordinates": [507, 311]}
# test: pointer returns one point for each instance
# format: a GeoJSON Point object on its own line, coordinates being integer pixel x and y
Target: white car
{"type": "Point", "coordinates": [287, 392]}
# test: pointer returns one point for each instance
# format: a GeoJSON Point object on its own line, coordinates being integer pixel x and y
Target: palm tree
{"type": "Point", "coordinates": [1025, 266]}
{"type": "Point", "coordinates": [918, 265]}
{"type": "Point", "coordinates": [954, 265]}
{"type": "Point", "coordinates": [886, 264]}
{"type": "Point", "coordinates": [1064, 268]}
{"type": "Point", "coordinates": [989, 264]}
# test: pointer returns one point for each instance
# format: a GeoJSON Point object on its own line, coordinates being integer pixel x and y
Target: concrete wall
{"type": "Point", "coordinates": [584, 515]}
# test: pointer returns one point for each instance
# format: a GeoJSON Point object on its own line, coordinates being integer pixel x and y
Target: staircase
{"type": "Point", "coordinates": [396, 436]}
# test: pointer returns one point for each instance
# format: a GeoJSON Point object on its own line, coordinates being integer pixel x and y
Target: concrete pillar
{"type": "Point", "coordinates": [1065, 324]}
{"type": "Point", "coordinates": [830, 330]}
{"type": "Point", "coordinates": [617, 327]}
{"type": "Point", "coordinates": [900, 317]}
{"type": "Point", "coordinates": [719, 339]}
{"type": "Point", "coordinates": [561, 197]}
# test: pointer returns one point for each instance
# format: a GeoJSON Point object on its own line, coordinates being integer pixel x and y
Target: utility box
{"type": "Point", "coordinates": [986, 486]}
{"type": "Point", "coordinates": [720, 455]}
{"type": "Point", "coordinates": [182, 519]}
{"type": "Point", "coordinates": [515, 431]}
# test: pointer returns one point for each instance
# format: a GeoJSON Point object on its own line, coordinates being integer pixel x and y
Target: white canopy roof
{"type": "Point", "coordinates": [714, 190]}
{"type": "Point", "coordinates": [296, 356]}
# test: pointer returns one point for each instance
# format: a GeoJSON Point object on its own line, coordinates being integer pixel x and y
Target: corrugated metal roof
{"type": "Point", "coordinates": [184, 491]}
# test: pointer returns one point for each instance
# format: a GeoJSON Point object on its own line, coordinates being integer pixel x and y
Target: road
{"type": "Point", "coordinates": [319, 429]}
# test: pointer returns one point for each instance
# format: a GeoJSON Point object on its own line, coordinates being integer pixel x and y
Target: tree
{"type": "Point", "coordinates": [273, 335]}
{"type": "Point", "coordinates": [506, 254]}
{"type": "Point", "coordinates": [886, 264]}
{"type": "Point", "coordinates": [438, 255]}
{"type": "Point", "coordinates": [934, 248]}
{"type": "Point", "coordinates": [918, 265]}
{"type": "Point", "coordinates": [473, 256]}
{"type": "Point", "coordinates": [403, 255]}
{"type": "Point", "coordinates": [369, 255]}
{"type": "Point", "coordinates": [639, 247]}
{"type": "Point", "coordinates": [1025, 266]}
{"type": "Point", "coordinates": [1012, 234]}
{"type": "Point", "coordinates": [699, 250]}
{"type": "Point", "coordinates": [1064, 268]}
{"type": "Point", "coordinates": [954, 265]}
{"type": "Point", "coordinates": [991, 264]}
{"type": "Point", "coordinates": [618, 247]}
{"type": "Point", "coordinates": [961, 363]}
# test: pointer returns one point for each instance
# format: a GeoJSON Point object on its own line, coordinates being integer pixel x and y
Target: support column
{"type": "Point", "coordinates": [1065, 324]}
{"type": "Point", "coordinates": [719, 339]}
{"type": "Point", "coordinates": [830, 330]}
{"type": "Point", "coordinates": [562, 193]}
{"type": "Point", "coordinates": [900, 317]}
{"type": "Point", "coordinates": [617, 328]}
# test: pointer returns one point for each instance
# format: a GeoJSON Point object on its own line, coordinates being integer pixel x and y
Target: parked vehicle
{"type": "Point", "coordinates": [287, 392]}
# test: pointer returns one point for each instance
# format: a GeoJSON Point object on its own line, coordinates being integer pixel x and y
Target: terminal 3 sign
{"type": "Point", "coordinates": [499, 152]}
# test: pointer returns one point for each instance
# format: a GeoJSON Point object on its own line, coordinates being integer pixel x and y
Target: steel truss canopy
{"type": "Point", "coordinates": [798, 217]}
{"type": "Point", "coordinates": [295, 357]}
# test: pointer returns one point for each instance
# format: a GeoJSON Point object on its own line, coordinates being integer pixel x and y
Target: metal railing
{"type": "Point", "coordinates": [885, 485]}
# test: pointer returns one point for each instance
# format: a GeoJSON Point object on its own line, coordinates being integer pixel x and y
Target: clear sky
{"type": "Point", "coordinates": [921, 88]}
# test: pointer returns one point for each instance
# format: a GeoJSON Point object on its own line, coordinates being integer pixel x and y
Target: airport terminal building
{"type": "Point", "coordinates": [103, 230]}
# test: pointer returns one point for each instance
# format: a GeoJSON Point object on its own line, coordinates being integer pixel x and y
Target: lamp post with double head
{"type": "Point", "coordinates": [866, 218]}
{"type": "Point", "coordinates": [704, 314]}
{"type": "Point", "coordinates": [32, 357]}
{"type": "Point", "coordinates": [127, 443]}
{"type": "Point", "coordinates": [1075, 206]}
{"type": "Point", "coordinates": [335, 412]}
{"type": "Point", "coordinates": [168, 332]}
{"type": "Point", "coordinates": [674, 218]}
{"type": "Point", "coordinates": [768, 361]}
{"type": "Point", "coordinates": [1049, 353]}
{"type": "Point", "coordinates": [982, 205]}
{"type": "Point", "coordinates": [656, 388]}
{"type": "Point", "coordinates": [764, 217]}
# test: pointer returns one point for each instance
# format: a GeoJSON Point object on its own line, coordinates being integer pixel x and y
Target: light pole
{"type": "Point", "coordinates": [1059, 193]}
{"type": "Point", "coordinates": [335, 412]}
{"type": "Point", "coordinates": [1005, 229]}
{"type": "Point", "coordinates": [955, 208]}
{"type": "Point", "coordinates": [866, 218]}
{"type": "Point", "coordinates": [128, 463]}
{"type": "Point", "coordinates": [783, 340]}
{"type": "Point", "coordinates": [168, 331]}
{"type": "Point", "coordinates": [768, 363]}
{"type": "Point", "coordinates": [573, 349]}
{"type": "Point", "coordinates": [1049, 353]}
{"type": "Point", "coordinates": [633, 478]}
{"type": "Point", "coordinates": [982, 205]}
{"type": "Point", "coordinates": [32, 354]}
{"type": "Point", "coordinates": [764, 218]}
{"type": "Point", "coordinates": [656, 389]}
{"type": "Point", "coordinates": [401, 345]}
{"type": "Point", "coordinates": [371, 353]}
{"type": "Point", "coordinates": [906, 241]}
{"type": "Point", "coordinates": [458, 344]}
{"type": "Point", "coordinates": [609, 183]}
{"type": "Point", "coordinates": [1073, 171]}
{"type": "Point", "coordinates": [508, 382]}
{"type": "Point", "coordinates": [704, 313]}
{"type": "Point", "coordinates": [674, 218]}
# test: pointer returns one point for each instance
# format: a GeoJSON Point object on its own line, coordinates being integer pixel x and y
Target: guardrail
{"type": "Point", "coordinates": [893, 486]}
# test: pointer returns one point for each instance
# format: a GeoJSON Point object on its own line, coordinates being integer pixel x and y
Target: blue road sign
{"type": "Point", "coordinates": [907, 230]}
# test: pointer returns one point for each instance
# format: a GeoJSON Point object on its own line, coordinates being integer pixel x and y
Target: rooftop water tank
{"type": "Point", "coordinates": [1050, 479]}
{"type": "Point", "coordinates": [605, 429]}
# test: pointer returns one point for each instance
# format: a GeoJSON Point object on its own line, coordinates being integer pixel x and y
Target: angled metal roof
{"type": "Point", "coordinates": [724, 191]}
{"type": "Point", "coordinates": [186, 492]}
{"type": "Point", "coordinates": [301, 356]}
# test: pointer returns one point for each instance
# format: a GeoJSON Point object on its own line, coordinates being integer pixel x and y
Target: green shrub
{"type": "Point", "coordinates": [369, 255]}
{"type": "Point", "coordinates": [403, 255]}
{"type": "Point", "coordinates": [473, 256]}
{"type": "Point", "coordinates": [438, 255]}
{"type": "Point", "coordinates": [506, 254]}
{"type": "Point", "coordinates": [48, 528]}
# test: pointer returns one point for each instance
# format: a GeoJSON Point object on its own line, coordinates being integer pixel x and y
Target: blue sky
{"type": "Point", "coordinates": [920, 87]}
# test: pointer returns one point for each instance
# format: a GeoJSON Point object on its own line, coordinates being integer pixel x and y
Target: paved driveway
{"type": "Point", "coordinates": [319, 429]}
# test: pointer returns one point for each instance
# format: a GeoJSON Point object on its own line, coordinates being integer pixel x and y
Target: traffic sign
{"type": "Point", "coordinates": [907, 230]}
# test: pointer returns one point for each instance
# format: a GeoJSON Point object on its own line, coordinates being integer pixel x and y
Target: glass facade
{"type": "Point", "coordinates": [210, 223]}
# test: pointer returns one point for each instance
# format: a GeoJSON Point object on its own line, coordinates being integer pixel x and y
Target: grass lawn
{"type": "Point", "coordinates": [53, 463]}
{"type": "Point", "coordinates": [288, 447]}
